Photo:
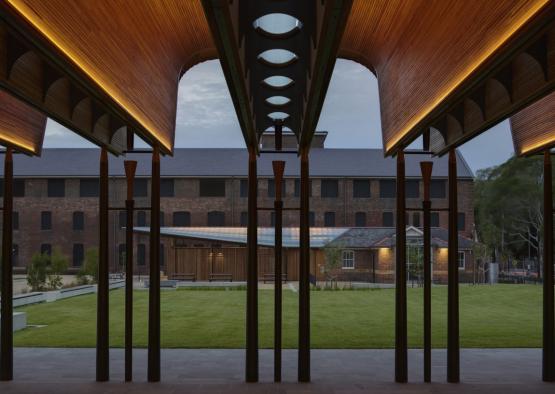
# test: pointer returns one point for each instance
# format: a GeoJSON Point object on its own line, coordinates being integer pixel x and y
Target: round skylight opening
{"type": "Point", "coordinates": [285, 129]}
{"type": "Point", "coordinates": [277, 57]}
{"type": "Point", "coordinates": [278, 81]}
{"type": "Point", "coordinates": [277, 23]}
{"type": "Point", "coordinates": [278, 115]}
{"type": "Point", "coordinates": [278, 100]}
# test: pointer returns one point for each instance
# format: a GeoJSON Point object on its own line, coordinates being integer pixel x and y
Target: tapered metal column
{"type": "Point", "coordinates": [102, 318]}
{"type": "Point", "coordinates": [400, 277]}
{"type": "Point", "coordinates": [251, 370]}
{"type": "Point", "coordinates": [453, 276]}
{"type": "Point", "coordinates": [6, 343]}
{"type": "Point", "coordinates": [548, 362]}
{"type": "Point", "coordinates": [304, 274]}
{"type": "Point", "coordinates": [154, 279]}
{"type": "Point", "coordinates": [426, 169]}
{"type": "Point", "coordinates": [278, 167]}
{"type": "Point", "coordinates": [130, 167]}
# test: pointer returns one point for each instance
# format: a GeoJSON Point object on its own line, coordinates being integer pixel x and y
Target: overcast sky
{"type": "Point", "coordinates": [351, 116]}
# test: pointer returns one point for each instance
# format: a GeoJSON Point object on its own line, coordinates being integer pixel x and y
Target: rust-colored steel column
{"type": "Point", "coordinates": [304, 274]}
{"type": "Point", "coordinates": [278, 167]}
{"type": "Point", "coordinates": [426, 169]}
{"type": "Point", "coordinates": [6, 343]}
{"type": "Point", "coordinates": [401, 363]}
{"type": "Point", "coordinates": [102, 311]}
{"type": "Point", "coordinates": [154, 279]}
{"type": "Point", "coordinates": [548, 362]}
{"type": "Point", "coordinates": [251, 370]}
{"type": "Point", "coordinates": [130, 167]}
{"type": "Point", "coordinates": [453, 350]}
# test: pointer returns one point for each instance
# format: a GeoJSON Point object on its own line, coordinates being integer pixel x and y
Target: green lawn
{"type": "Point", "coordinates": [491, 316]}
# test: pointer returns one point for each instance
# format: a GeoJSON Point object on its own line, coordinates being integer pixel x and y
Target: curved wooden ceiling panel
{"type": "Point", "coordinates": [422, 50]}
{"type": "Point", "coordinates": [20, 125]}
{"type": "Point", "coordinates": [135, 50]}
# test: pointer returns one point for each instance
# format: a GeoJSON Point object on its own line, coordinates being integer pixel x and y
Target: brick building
{"type": "Point", "coordinates": [56, 199]}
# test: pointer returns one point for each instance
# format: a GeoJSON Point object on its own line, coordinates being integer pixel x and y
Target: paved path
{"type": "Point", "coordinates": [210, 371]}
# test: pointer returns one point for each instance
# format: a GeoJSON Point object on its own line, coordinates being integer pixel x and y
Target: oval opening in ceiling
{"type": "Point", "coordinates": [278, 115]}
{"type": "Point", "coordinates": [278, 81]}
{"type": "Point", "coordinates": [278, 100]}
{"type": "Point", "coordinates": [285, 129]}
{"type": "Point", "coordinates": [277, 57]}
{"type": "Point", "coordinates": [277, 23]}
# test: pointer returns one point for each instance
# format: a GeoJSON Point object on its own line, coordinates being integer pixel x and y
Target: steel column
{"type": "Point", "coordinates": [453, 357]}
{"type": "Point", "coordinates": [426, 169]}
{"type": "Point", "coordinates": [278, 167]}
{"type": "Point", "coordinates": [548, 362]}
{"type": "Point", "coordinates": [102, 319]}
{"type": "Point", "coordinates": [6, 333]}
{"type": "Point", "coordinates": [304, 274]}
{"type": "Point", "coordinates": [154, 279]}
{"type": "Point", "coordinates": [130, 167]}
{"type": "Point", "coordinates": [251, 372]}
{"type": "Point", "coordinates": [400, 277]}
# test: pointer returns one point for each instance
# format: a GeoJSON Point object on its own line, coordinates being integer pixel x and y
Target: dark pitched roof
{"type": "Point", "coordinates": [205, 162]}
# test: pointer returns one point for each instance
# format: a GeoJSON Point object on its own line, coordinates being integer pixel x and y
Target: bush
{"type": "Point", "coordinates": [89, 271]}
{"type": "Point", "coordinates": [37, 271]}
{"type": "Point", "coordinates": [58, 266]}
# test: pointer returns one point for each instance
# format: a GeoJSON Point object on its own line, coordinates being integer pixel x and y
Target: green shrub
{"type": "Point", "coordinates": [58, 266]}
{"type": "Point", "coordinates": [89, 272]}
{"type": "Point", "coordinates": [37, 271]}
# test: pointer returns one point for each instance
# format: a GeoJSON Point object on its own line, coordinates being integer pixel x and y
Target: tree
{"type": "Point", "coordinates": [37, 271]}
{"type": "Point", "coordinates": [90, 266]}
{"type": "Point", "coordinates": [332, 262]}
{"type": "Point", "coordinates": [58, 266]}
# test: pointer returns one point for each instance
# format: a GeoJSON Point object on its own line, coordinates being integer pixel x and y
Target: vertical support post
{"type": "Point", "coordinates": [102, 318]}
{"type": "Point", "coordinates": [6, 343]}
{"type": "Point", "coordinates": [304, 274]}
{"type": "Point", "coordinates": [548, 355]}
{"type": "Point", "coordinates": [154, 279]}
{"type": "Point", "coordinates": [401, 362]}
{"type": "Point", "coordinates": [426, 169]}
{"type": "Point", "coordinates": [453, 276]}
{"type": "Point", "coordinates": [130, 167]}
{"type": "Point", "coordinates": [278, 134]}
{"type": "Point", "coordinates": [278, 167]}
{"type": "Point", "coordinates": [251, 373]}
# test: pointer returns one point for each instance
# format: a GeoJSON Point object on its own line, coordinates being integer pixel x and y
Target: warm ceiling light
{"type": "Point", "coordinates": [538, 145]}
{"type": "Point", "coordinates": [19, 144]}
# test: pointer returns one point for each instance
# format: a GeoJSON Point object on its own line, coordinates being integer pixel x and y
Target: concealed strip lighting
{"type": "Point", "coordinates": [22, 145]}
{"type": "Point", "coordinates": [545, 142]}
{"type": "Point", "coordinates": [466, 73]}
{"type": "Point", "coordinates": [39, 24]}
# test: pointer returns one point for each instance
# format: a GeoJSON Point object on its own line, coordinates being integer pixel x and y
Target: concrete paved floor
{"type": "Point", "coordinates": [211, 371]}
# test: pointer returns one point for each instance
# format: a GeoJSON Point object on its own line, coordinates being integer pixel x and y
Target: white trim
{"type": "Point", "coordinates": [463, 260]}
{"type": "Point", "coordinates": [343, 253]}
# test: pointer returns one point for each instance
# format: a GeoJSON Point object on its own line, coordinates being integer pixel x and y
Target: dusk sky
{"type": "Point", "coordinates": [351, 116]}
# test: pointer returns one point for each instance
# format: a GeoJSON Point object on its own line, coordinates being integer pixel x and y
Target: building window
{"type": "Point", "coordinates": [56, 188]}
{"type": "Point", "coordinates": [461, 260]}
{"type": "Point", "coordinates": [141, 219]}
{"type": "Point", "coordinates": [387, 219]}
{"type": "Point", "coordinates": [19, 187]}
{"type": "Point", "coordinates": [272, 188]}
{"type": "Point", "coordinates": [166, 187]}
{"type": "Point", "coordinates": [141, 254]}
{"type": "Point", "coordinates": [348, 257]}
{"type": "Point", "coordinates": [162, 219]}
{"type": "Point", "coordinates": [15, 220]}
{"type": "Point", "coordinates": [412, 188]}
{"type": "Point", "coordinates": [434, 219]}
{"type": "Point", "coordinates": [212, 187]}
{"type": "Point", "coordinates": [311, 219]}
{"type": "Point", "coordinates": [15, 254]}
{"type": "Point", "coordinates": [437, 188]}
{"type": "Point", "coordinates": [360, 219]}
{"type": "Point", "coordinates": [140, 187]}
{"type": "Point", "coordinates": [89, 188]}
{"type": "Point", "coordinates": [182, 219]}
{"type": "Point", "coordinates": [416, 219]}
{"type": "Point", "coordinates": [329, 219]}
{"type": "Point", "coordinates": [297, 191]}
{"type": "Point", "coordinates": [78, 220]}
{"type": "Point", "coordinates": [46, 220]}
{"type": "Point", "coordinates": [388, 188]}
{"type": "Point", "coordinates": [122, 219]}
{"type": "Point", "coordinates": [216, 219]}
{"type": "Point", "coordinates": [461, 219]}
{"type": "Point", "coordinates": [361, 188]}
{"type": "Point", "coordinates": [162, 255]}
{"type": "Point", "coordinates": [78, 255]}
{"type": "Point", "coordinates": [244, 188]}
{"type": "Point", "coordinates": [244, 219]}
{"type": "Point", "coordinates": [329, 188]}
{"type": "Point", "coordinates": [46, 249]}
{"type": "Point", "coordinates": [121, 254]}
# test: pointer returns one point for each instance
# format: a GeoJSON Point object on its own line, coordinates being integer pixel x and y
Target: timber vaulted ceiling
{"type": "Point", "coordinates": [109, 69]}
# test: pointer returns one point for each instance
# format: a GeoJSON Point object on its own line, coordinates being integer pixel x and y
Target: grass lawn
{"type": "Point", "coordinates": [491, 316]}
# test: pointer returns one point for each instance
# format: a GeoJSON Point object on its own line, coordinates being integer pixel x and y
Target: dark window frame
{"type": "Point", "coordinates": [89, 187]}
{"type": "Point", "coordinates": [361, 188]}
{"type": "Point", "coordinates": [215, 219]}
{"type": "Point", "coordinates": [78, 251]}
{"type": "Point", "coordinates": [388, 188]}
{"type": "Point", "coordinates": [329, 219]}
{"type": "Point", "coordinates": [329, 188]}
{"type": "Point", "coordinates": [360, 219]}
{"type": "Point", "coordinates": [438, 188]}
{"type": "Point", "coordinates": [46, 220]}
{"type": "Point", "coordinates": [167, 187]}
{"type": "Point", "coordinates": [412, 188]}
{"type": "Point", "coordinates": [181, 219]}
{"type": "Point", "coordinates": [56, 187]}
{"type": "Point", "coordinates": [140, 187]}
{"type": "Point", "coordinates": [78, 220]}
{"type": "Point", "coordinates": [388, 219]}
{"type": "Point", "coordinates": [212, 187]}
